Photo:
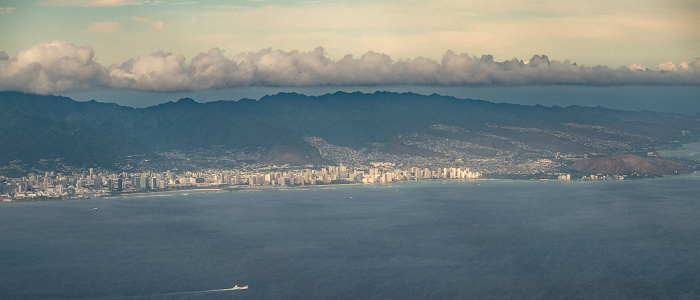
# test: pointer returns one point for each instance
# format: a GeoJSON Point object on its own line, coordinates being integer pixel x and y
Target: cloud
{"type": "Point", "coordinates": [108, 27]}
{"type": "Point", "coordinates": [169, 72]}
{"type": "Point", "coordinates": [636, 67]}
{"type": "Point", "coordinates": [90, 3]}
{"type": "Point", "coordinates": [59, 66]}
{"type": "Point", "coordinates": [51, 67]}
{"type": "Point", "coordinates": [670, 66]}
{"type": "Point", "coordinates": [6, 10]}
{"type": "Point", "coordinates": [160, 72]}
{"type": "Point", "coordinates": [157, 25]}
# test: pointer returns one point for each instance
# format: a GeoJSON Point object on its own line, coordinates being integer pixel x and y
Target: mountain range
{"type": "Point", "coordinates": [333, 128]}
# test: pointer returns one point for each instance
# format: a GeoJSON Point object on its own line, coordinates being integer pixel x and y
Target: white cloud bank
{"type": "Point", "coordinates": [61, 67]}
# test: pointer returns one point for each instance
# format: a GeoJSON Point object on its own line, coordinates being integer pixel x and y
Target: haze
{"type": "Point", "coordinates": [625, 55]}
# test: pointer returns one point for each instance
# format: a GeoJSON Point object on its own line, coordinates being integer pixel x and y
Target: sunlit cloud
{"type": "Point", "coordinates": [636, 67]}
{"type": "Point", "coordinates": [51, 67]}
{"type": "Point", "coordinates": [670, 66]}
{"type": "Point", "coordinates": [106, 27]}
{"type": "Point", "coordinates": [59, 66]}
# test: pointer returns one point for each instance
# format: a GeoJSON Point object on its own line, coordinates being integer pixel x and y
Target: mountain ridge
{"type": "Point", "coordinates": [387, 125]}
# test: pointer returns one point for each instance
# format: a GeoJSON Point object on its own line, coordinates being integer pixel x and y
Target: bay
{"type": "Point", "coordinates": [484, 239]}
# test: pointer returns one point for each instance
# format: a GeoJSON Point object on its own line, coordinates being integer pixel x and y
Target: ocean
{"type": "Point", "coordinates": [485, 239]}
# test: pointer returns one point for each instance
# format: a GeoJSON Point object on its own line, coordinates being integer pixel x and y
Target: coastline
{"type": "Point", "coordinates": [260, 188]}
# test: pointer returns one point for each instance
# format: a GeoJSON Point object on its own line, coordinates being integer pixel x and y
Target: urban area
{"type": "Point", "coordinates": [100, 183]}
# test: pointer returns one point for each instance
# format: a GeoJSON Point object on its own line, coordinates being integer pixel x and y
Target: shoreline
{"type": "Point", "coordinates": [257, 188]}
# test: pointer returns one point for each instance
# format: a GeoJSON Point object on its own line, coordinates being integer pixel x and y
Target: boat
{"type": "Point", "coordinates": [236, 287]}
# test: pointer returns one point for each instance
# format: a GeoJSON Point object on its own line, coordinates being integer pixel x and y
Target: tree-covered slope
{"type": "Point", "coordinates": [396, 123]}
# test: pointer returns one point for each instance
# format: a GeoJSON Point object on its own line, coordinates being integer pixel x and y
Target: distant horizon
{"type": "Point", "coordinates": [674, 99]}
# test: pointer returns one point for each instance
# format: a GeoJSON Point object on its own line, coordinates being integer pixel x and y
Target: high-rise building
{"type": "Point", "coordinates": [96, 183]}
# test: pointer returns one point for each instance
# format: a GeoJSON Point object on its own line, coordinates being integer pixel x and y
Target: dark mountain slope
{"type": "Point", "coordinates": [393, 123]}
{"type": "Point", "coordinates": [32, 139]}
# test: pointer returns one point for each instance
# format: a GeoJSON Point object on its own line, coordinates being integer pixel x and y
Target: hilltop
{"type": "Point", "coordinates": [350, 128]}
{"type": "Point", "coordinates": [627, 164]}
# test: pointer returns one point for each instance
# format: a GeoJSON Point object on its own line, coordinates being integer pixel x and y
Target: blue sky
{"type": "Point", "coordinates": [73, 46]}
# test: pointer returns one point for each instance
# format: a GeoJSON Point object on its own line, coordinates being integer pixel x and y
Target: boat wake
{"type": "Point", "coordinates": [235, 288]}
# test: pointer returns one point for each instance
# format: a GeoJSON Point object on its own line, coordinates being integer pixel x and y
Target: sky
{"type": "Point", "coordinates": [137, 46]}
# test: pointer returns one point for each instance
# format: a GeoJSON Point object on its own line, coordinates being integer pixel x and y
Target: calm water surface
{"type": "Point", "coordinates": [632, 239]}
